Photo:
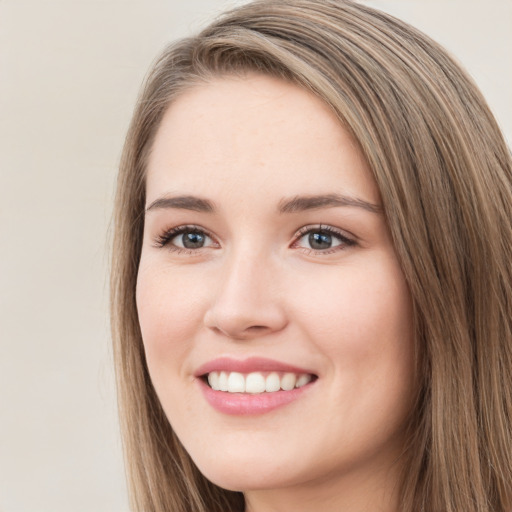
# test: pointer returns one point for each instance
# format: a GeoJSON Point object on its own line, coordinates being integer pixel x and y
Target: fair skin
{"type": "Point", "coordinates": [250, 274]}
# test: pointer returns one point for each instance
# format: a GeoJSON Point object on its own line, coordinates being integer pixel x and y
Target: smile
{"type": "Point", "coordinates": [257, 382]}
{"type": "Point", "coordinates": [252, 386]}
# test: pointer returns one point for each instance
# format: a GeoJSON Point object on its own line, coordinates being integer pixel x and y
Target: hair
{"type": "Point", "coordinates": [445, 177]}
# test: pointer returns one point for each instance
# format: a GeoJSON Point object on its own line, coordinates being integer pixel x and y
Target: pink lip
{"type": "Point", "coordinates": [252, 364]}
{"type": "Point", "coordinates": [241, 404]}
{"type": "Point", "coordinates": [246, 404]}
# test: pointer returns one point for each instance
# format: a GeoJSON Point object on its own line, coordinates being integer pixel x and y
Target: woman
{"type": "Point", "coordinates": [311, 282]}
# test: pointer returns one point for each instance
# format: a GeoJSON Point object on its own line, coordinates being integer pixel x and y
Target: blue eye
{"type": "Point", "coordinates": [185, 238]}
{"type": "Point", "coordinates": [322, 239]}
{"type": "Point", "coordinates": [316, 239]}
{"type": "Point", "coordinates": [190, 240]}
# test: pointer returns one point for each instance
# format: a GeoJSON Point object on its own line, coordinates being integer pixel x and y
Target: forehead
{"type": "Point", "coordinates": [254, 131]}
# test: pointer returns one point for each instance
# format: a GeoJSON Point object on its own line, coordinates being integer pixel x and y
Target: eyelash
{"type": "Point", "coordinates": [164, 239]}
{"type": "Point", "coordinates": [345, 241]}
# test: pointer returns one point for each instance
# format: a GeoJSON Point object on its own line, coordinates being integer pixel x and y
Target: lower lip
{"type": "Point", "coordinates": [245, 404]}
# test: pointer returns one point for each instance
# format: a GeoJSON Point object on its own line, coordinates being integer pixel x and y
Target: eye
{"type": "Point", "coordinates": [186, 238]}
{"type": "Point", "coordinates": [322, 239]}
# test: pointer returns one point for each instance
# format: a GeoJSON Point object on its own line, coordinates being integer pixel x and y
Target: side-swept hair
{"type": "Point", "coordinates": [445, 176]}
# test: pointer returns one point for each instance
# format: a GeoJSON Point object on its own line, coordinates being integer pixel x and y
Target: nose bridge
{"type": "Point", "coordinates": [246, 302]}
{"type": "Point", "coordinates": [247, 272]}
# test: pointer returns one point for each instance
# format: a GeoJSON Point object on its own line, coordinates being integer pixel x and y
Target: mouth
{"type": "Point", "coordinates": [256, 383]}
{"type": "Point", "coordinates": [252, 386]}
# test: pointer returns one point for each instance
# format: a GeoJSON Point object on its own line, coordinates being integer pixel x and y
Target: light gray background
{"type": "Point", "coordinates": [69, 74]}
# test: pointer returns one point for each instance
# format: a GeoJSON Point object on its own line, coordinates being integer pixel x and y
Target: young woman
{"type": "Point", "coordinates": [312, 288]}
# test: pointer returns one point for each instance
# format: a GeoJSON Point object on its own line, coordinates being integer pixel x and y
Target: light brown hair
{"type": "Point", "coordinates": [445, 178]}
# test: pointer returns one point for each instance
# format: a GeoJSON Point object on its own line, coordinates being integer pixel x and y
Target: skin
{"type": "Point", "coordinates": [258, 289]}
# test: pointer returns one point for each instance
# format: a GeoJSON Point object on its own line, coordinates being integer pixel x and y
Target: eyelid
{"type": "Point", "coordinates": [164, 238]}
{"type": "Point", "coordinates": [347, 240]}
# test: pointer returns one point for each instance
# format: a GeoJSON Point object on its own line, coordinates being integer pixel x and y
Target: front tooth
{"type": "Point", "coordinates": [236, 383]}
{"type": "Point", "coordinates": [254, 383]}
{"type": "Point", "coordinates": [272, 383]}
{"type": "Point", "coordinates": [303, 380]}
{"type": "Point", "coordinates": [223, 381]}
{"type": "Point", "coordinates": [288, 381]}
{"type": "Point", "coordinates": [213, 380]}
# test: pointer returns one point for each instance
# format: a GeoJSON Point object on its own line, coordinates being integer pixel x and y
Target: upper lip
{"type": "Point", "coordinates": [252, 364]}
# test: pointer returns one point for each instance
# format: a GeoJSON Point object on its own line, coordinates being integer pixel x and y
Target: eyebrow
{"type": "Point", "coordinates": [301, 203]}
{"type": "Point", "coordinates": [184, 203]}
{"type": "Point", "coordinates": [292, 205]}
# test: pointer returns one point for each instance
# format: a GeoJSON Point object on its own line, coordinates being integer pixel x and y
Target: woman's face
{"type": "Point", "coordinates": [266, 264]}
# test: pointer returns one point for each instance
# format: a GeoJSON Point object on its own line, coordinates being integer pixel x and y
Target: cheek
{"type": "Point", "coordinates": [362, 323]}
{"type": "Point", "coordinates": [361, 318]}
{"type": "Point", "coordinates": [170, 313]}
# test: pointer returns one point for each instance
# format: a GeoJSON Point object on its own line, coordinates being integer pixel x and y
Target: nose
{"type": "Point", "coordinates": [247, 302]}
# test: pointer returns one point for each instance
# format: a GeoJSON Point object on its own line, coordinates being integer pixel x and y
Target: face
{"type": "Point", "coordinates": [267, 269]}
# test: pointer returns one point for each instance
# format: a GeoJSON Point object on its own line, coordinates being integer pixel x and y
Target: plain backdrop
{"type": "Point", "coordinates": [69, 75]}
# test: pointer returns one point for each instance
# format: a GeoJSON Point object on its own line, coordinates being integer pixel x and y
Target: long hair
{"type": "Point", "coordinates": [445, 177]}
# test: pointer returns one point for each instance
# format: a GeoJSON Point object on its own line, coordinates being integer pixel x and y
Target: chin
{"type": "Point", "coordinates": [245, 475]}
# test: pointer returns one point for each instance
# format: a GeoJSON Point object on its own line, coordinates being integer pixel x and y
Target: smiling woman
{"type": "Point", "coordinates": [260, 314]}
{"type": "Point", "coordinates": [311, 282]}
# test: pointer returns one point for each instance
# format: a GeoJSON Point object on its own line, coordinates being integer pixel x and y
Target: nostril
{"type": "Point", "coordinates": [244, 322]}
{"type": "Point", "coordinates": [253, 331]}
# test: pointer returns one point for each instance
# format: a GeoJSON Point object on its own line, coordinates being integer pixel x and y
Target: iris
{"type": "Point", "coordinates": [193, 240]}
{"type": "Point", "coordinates": [319, 240]}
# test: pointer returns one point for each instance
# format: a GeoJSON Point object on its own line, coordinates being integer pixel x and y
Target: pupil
{"type": "Point", "coordinates": [320, 240]}
{"type": "Point", "coordinates": [193, 240]}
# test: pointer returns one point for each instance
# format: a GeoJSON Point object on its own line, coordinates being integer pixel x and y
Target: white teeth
{"type": "Point", "coordinates": [256, 382]}
{"type": "Point", "coordinates": [288, 381]}
{"type": "Point", "coordinates": [272, 383]}
{"type": "Point", "coordinates": [303, 380]}
{"type": "Point", "coordinates": [223, 381]}
{"type": "Point", "coordinates": [213, 380]}
{"type": "Point", "coordinates": [236, 383]}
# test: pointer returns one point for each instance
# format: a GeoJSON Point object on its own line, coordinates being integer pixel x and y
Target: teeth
{"type": "Point", "coordinates": [302, 380]}
{"type": "Point", "coordinates": [288, 381]}
{"type": "Point", "coordinates": [272, 383]}
{"type": "Point", "coordinates": [213, 380]}
{"type": "Point", "coordinates": [256, 382]}
{"type": "Point", "coordinates": [236, 383]}
{"type": "Point", "coordinates": [223, 381]}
